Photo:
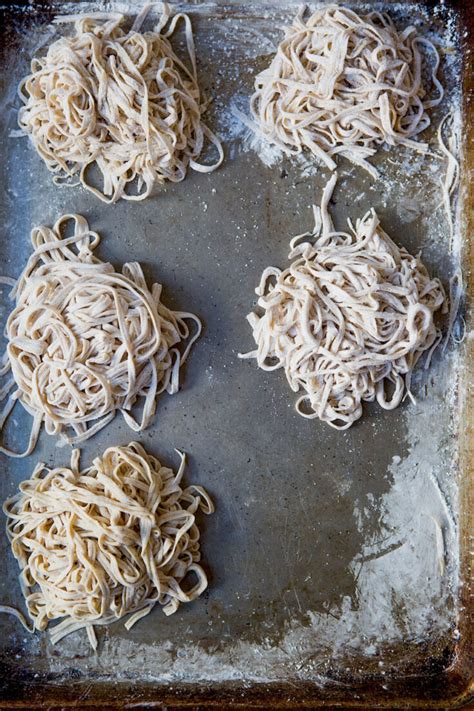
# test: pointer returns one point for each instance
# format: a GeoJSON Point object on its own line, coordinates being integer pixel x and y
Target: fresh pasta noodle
{"type": "Point", "coordinates": [352, 313]}
{"type": "Point", "coordinates": [120, 101]}
{"type": "Point", "coordinates": [449, 149]}
{"type": "Point", "coordinates": [342, 84]}
{"type": "Point", "coordinates": [86, 341]}
{"type": "Point", "coordinates": [451, 178]}
{"type": "Point", "coordinates": [98, 544]}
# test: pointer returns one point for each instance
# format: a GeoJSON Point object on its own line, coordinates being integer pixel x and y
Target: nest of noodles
{"type": "Point", "coordinates": [352, 314]}
{"type": "Point", "coordinates": [108, 541]}
{"type": "Point", "coordinates": [342, 84]}
{"type": "Point", "coordinates": [119, 101]}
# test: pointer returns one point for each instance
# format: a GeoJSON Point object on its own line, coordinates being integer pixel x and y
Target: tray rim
{"type": "Point", "coordinates": [453, 686]}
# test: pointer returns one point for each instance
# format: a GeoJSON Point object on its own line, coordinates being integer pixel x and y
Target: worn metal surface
{"type": "Point", "coordinates": [299, 605]}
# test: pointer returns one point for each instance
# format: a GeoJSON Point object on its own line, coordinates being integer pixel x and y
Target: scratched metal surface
{"type": "Point", "coordinates": [299, 505]}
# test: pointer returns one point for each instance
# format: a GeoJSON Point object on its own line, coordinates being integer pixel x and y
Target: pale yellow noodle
{"type": "Point", "coordinates": [352, 313]}
{"type": "Point", "coordinates": [343, 84]}
{"type": "Point", "coordinates": [109, 541]}
{"type": "Point", "coordinates": [86, 341]}
{"type": "Point", "coordinates": [120, 101]}
{"type": "Point", "coordinates": [451, 179]}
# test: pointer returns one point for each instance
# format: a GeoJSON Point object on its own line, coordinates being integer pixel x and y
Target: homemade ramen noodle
{"type": "Point", "coordinates": [350, 316]}
{"type": "Point", "coordinates": [120, 101]}
{"type": "Point", "coordinates": [86, 341]}
{"type": "Point", "coordinates": [343, 84]}
{"type": "Point", "coordinates": [98, 544]}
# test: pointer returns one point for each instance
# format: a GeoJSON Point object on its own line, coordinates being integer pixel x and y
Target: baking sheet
{"type": "Point", "coordinates": [333, 557]}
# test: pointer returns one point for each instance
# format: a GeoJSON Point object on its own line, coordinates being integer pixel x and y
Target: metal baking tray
{"type": "Point", "coordinates": [338, 561]}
